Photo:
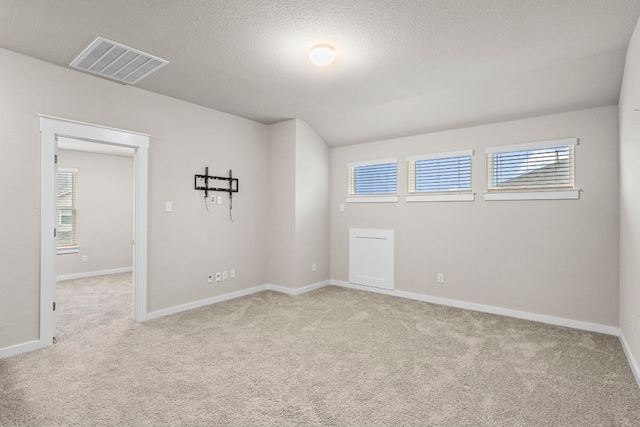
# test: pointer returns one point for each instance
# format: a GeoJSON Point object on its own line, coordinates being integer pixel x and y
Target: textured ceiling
{"type": "Point", "coordinates": [403, 67]}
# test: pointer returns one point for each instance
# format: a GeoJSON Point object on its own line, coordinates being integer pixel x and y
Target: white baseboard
{"type": "Point", "coordinates": [232, 295]}
{"type": "Point", "coordinates": [204, 302]}
{"type": "Point", "coordinates": [559, 321]}
{"type": "Point", "coordinates": [21, 348]}
{"type": "Point", "coordinates": [93, 273]}
{"type": "Point", "coordinates": [299, 291]}
{"type": "Point", "coordinates": [632, 361]}
{"type": "Point", "coordinates": [592, 327]}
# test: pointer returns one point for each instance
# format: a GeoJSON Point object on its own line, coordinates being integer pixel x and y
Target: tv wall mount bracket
{"type": "Point", "coordinates": [208, 183]}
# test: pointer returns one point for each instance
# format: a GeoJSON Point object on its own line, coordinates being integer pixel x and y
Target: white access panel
{"type": "Point", "coordinates": [371, 258]}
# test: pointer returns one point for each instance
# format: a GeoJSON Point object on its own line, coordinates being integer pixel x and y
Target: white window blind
{"type": "Point", "coordinates": [440, 173]}
{"type": "Point", "coordinates": [547, 165]}
{"type": "Point", "coordinates": [66, 229]}
{"type": "Point", "coordinates": [373, 178]}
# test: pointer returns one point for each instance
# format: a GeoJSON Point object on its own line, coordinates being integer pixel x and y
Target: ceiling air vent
{"type": "Point", "coordinates": [116, 61]}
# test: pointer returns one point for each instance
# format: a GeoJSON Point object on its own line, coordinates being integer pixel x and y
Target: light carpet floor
{"type": "Point", "coordinates": [331, 357]}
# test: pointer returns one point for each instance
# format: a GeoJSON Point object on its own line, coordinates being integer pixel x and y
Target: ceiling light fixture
{"type": "Point", "coordinates": [322, 55]}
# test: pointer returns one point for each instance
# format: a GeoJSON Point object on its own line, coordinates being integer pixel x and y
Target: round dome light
{"type": "Point", "coordinates": [322, 55]}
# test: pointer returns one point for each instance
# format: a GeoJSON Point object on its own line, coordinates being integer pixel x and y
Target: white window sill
{"type": "Point", "coordinates": [371, 199]}
{"type": "Point", "coordinates": [534, 195]}
{"type": "Point", "coordinates": [458, 197]}
{"type": "Point", "coordinates": [68, 250]}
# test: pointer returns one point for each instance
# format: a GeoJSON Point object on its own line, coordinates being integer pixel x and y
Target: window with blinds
{"type": "Point", "coordinates": [373, 178]}
{"type": "Point", "coordinates": [66, 229]}
{"type": "Point", "coordinates": [547, 165]}
{"type": "Point", "coordinates": [440, 173]}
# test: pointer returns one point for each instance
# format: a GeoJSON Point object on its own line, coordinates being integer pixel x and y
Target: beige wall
{"type": "Point", "coordinates": [629, 109]}
{"type": "Point", "coordinates": [312, 206]}
{"type": "Point", "coordinates": [281, 203]}
{"type": "Point", "coordinates": [557, 258]}
{"type": "Point", "coordinates": [298, 205]}
{"type": "Point", "coordinates": [184, 245]}
{"type": "Point", "coordinates": [105, 212]}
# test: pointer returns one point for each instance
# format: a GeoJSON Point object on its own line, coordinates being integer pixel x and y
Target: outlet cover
{"type": "Point", "coordinates": [210, 278]}
{"type": "Point", "coordinates": [85, 258]}
{"type": "Point", "coordinates": [225, 276]}
{"type": "Point", "coordinates": [232, 274]}
{"type": "Point", "coordinates": [217, 277]}
{"type": "Point", "coordinates": [314, 267]}
{"type": "Point", "coordinates": [440, 278]}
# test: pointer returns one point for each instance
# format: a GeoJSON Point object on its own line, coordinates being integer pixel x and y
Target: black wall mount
{"type": "Point", "coordinates": [208, 183]}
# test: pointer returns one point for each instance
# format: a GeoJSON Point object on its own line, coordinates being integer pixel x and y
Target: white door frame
{"type": "Point", "coordinates": [51, 128]}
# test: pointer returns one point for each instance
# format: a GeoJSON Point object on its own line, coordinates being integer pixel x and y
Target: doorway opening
{"type": "Point", "coordinates": [94, 227]}
{"type": "Point", "coordinates": [52, 130]}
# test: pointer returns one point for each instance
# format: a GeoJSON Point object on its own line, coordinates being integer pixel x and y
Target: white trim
{"type": "Point", "coordinates": [202, 303]}
{"type": "Point", "coordinates": [372, 162]}
{"type": "Point", "coordinates": [457, 197]}
{"type": "Point", "coordinates": [461, 153]}
{"type": "Point", "coordinates": [63, 250]}
{"type": "Point", "coordinates": [632, 361]}
{"type": "Point", "coordinates": [559, 321]}
{"type": "Point", "coordinates": [61, 169]}
{"type": "Point", "coordinates": [76, 122]}
{"type": "Point", "coordinates": [534, 195]}
{"type": "Point", "coordinates": [51, 128]}
{"type": "Point", "coordinates": [532, 145]}
{"type": "Point", "coordinates": [371, 199]}
{"type": "Point", "coordinates": [93, 273]}
{"type": "Point", "coordinates": [21, 348]}
{"type": "Point", "coordinates": [299, 291]}
{"type": "Point", "coordinates": [233, 295]}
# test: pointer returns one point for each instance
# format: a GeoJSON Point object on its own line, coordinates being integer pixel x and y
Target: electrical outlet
{"type": "Point", "coordinates": [232, 274]}
{"type": "Point", "coordinates": [210, 278]}
{"type": "Point", "coordinates": [440, 278]}
{"type": "Point", "coordinates": [217, 277]}
{"type": "Point", "coordinates": [85, 258]}
{"type": "Point", "coordinates": [225, 276]}
{"type": "Point", "coordinates": [213, 200]}
{"type": "Point", "coordinates": [314, 267]}
{"type": "Point", "coordinates": [219, 200]}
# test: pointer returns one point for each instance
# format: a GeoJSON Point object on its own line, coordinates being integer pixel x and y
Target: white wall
{"type": "Point", "coordinates": [105, 212]}
{"type": "Point", "coordinates": [184, 246]}
{"type": "Point", "coordinates": [556, 258]}
{"type": "Point", "coordinates": [629, 110]}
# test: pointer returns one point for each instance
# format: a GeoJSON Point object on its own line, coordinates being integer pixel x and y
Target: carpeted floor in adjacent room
{"type": "Point", "coordinates": [331, 357]}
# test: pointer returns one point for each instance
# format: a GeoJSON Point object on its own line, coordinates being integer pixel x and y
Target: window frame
{"type": "Point", "coordinates": [439, 196]}
{"type": "Point", "coordinates": [533, 193]}
{"type": "Point", "coordinates": [74, 247]}
{"type": "Point", "coordinates": [370, 198]}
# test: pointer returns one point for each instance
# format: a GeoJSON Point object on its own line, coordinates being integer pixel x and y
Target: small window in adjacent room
{"type": "Point", "coordinates": [373, 181]}
{"type": "Point", "coordinates": [440, 177]}
{"type": "Point", "coordinates": [539, 170]}
{"type": "Point", "coordinates": [66, 229]}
